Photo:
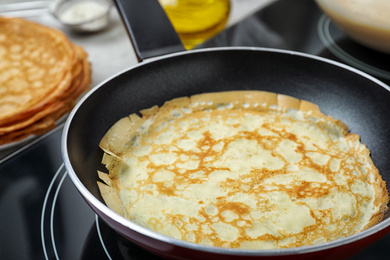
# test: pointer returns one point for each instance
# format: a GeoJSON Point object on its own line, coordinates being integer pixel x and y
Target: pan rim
{"type": "Point", "coordinates": [193, 246]}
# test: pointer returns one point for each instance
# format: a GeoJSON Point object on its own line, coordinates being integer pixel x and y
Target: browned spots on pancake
{"type": "Point", "coordinates": [235, 207]}
{"type": "Point", "coordinates": [306, 189]}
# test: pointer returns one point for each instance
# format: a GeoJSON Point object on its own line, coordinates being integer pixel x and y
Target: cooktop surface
{"type": "Point", "coordinates": [42, 216]}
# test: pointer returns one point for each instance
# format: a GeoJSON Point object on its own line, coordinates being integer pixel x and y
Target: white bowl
{"type": "Point", "coordinates": [365, 21]}
{"type": "Point", "coordinates": [82, 15]}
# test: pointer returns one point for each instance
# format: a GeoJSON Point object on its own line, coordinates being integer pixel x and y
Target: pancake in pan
{"type": "Point", "coordinates": [241, 169]}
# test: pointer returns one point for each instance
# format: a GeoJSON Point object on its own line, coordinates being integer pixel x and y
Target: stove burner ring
{"type": "Point", "coordinates": [48, 212]}
{"type": "Point", "coordinates": [326, 38]}
{"type": "Point", "coordinates": [101, 237]}
{"type": "Point", "coordinates": [45, 208]}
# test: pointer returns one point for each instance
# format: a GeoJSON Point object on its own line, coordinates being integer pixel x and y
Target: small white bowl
{"type": "Point", "coordinates": [366, 22]}
{"type": "Point", "coordinates": [82, 15]}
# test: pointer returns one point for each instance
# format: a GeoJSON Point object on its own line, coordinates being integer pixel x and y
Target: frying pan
{"type": "Point", "coordinates": [359, 100]}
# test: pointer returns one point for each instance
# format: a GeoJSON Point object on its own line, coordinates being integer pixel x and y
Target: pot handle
{"type": "Point", "coordinates": [150, 31]}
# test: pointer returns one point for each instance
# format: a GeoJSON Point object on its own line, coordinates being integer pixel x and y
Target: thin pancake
{"type": "Point", "coordinates": [243, 169]}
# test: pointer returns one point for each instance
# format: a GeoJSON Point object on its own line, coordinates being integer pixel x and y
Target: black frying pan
{"type": "Point", "coordinates": [359, 100]}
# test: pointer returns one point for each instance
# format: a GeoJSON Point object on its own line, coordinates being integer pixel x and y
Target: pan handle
{"type": "Point", "coordinates": [150, 31]}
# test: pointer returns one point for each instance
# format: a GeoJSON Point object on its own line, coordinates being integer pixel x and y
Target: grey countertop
{"type": "Point", "coordinates": [109, 50]}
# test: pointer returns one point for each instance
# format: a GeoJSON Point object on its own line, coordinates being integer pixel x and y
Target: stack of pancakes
{"type": "Point", "coordinates": [42, 74]}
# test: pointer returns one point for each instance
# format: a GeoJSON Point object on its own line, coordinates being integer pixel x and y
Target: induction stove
{"type": "Point", "coordinates": [42, 215]}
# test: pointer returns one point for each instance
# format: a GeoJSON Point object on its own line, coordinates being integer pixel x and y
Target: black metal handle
{"type": "Point", "coordinates": [150, 31]}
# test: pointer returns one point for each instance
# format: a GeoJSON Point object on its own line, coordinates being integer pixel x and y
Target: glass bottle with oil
{"type": "Point", "coordinates": [196, 20]}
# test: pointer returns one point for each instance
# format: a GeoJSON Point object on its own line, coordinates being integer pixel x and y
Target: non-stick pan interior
{"type": "Point", "coordinates": [359, 101]}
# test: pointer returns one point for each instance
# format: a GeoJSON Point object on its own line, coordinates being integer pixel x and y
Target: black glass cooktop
{"type": "Point", "coordinates": [42, 216]}
{"type": "Point", "coordinates": [299, 25]}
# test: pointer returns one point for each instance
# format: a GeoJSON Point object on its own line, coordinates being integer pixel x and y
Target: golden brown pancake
{"type": "Point", "coordinates": [42, 73]}
{"type": "Point", "coordinates": [241, 169]}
